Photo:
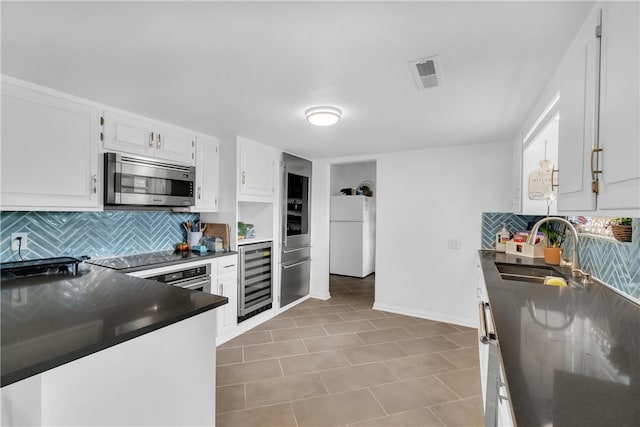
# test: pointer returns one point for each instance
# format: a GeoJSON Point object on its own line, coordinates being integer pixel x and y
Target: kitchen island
{"type": "Point", "coordinates": [571, 355]}
{"type": "Point", "coordinates": [102, 348]}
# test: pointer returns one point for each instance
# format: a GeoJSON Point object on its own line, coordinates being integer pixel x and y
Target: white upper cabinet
{"type": "Point", "coordinates": [619, 110]}
{"type": "Point", "coordinates": [257, 166]}
{"type": "Point", "coordinates": [599, 149]}
{"type": "Point", "coordinates": [128, 133]}
{"type": "Point", "coordinates": [578, 119]}
{"type": "Point", "coordinates": [49, 149]}
{"type": "Point", "coordinates": [207, 177]}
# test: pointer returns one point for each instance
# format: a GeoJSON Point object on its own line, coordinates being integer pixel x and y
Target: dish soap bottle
{"type": "Point", "coordinates": [501, 239]}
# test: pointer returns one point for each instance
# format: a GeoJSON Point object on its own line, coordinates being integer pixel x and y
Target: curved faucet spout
{"type": "Point", "coordinates": [575, 262]}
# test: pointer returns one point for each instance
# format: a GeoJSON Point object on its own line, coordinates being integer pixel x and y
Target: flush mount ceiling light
{"type": "Point", "coordinates": [323, 116]}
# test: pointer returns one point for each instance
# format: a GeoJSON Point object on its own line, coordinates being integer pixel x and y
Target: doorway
{"type": "Point", "coordinates": [352, 241]}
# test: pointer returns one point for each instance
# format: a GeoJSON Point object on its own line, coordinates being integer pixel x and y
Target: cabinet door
{"type": "Point", "coordinates": [175, 145]}
{"type": "Point", "coordinates": [227, 285]}
{"type": "Point", "coordinates": [49, 150]}
{"type": "Point", "coordinates": [257, 169]}
{"type": "Point", "coordinates": [619, 109]}
{"type": "Point", "coordinates": [207, 181]}
{"type": "Point", "coordinates": [578, 119]}
{"type": "Point", "coordinates": [127, 134]}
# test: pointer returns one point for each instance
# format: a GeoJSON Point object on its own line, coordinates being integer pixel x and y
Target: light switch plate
{"type": "Point", "coordinates": [454, 243]}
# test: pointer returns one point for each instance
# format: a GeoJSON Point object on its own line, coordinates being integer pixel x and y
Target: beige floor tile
{"type": "Point", "coordinates": [275, 323]}
{"type": "Point", "coordinates": [384, 335]}
{"type": "Point", "coordinates": [271, 350]}
{"type": "Point", "coordinates": [420, 366]}
{"type": "Point", "coordinates": [225, 356]}
{"type": "Point", "coordinates": [422, 417]}
{"type": "Point", "coordinates": [465, 328]}
{"type": "Point", "coordinates": [284, 389]}
{"type": "Point", "coordinates": [465, 383]}
{"type": "Point", "coordinates": [295, 312]}
{"type": "Point", "coordinates": [248, 338]}
{"type": "Point", "coordinates": [461, 413]}
{"type": "Point", "coordinates": [267, 416]}
{"type": "Point", "coordinates": [357, 377]}
{"type": "Point", "coordinates": [361, 305]}
{"type": "Point", "coordinates": [465, 339]}
{"type": "Point", "coordinates": [412, 394]}
{"type": "Point", "coordinates": [313, 362]}
{"type": "Point", "coordinates": [312, 302]}
{"type": "Point", "coordinates": [337, 409]}
{"type": "Point", "coordinates": [431, 329]}
{"type": "Point", "coordinates": [373, 353]}
{"type": "Point", "coordinates": [332, 342]}
{"type": "Point", "coordinates": [349, 327]}
{"type": "Point", "coordinates": [337, 308]}
{"type": "Point", "coordinates": [320, 319]}
{"type": "Point", "coordinates": [230, 398]}
{"type": "Point", "coordinates": [362, 315]}
{"type": "Point", "coordinates": [250, 371]}
{"type": "Point", "coordinates": [464, 357]}
{"type": "Point", "coordinates": [298, 333]}
{"type": "Point", "coordinates": [394, 322]}
{"type": "Point", "coordinates": [427, 345]}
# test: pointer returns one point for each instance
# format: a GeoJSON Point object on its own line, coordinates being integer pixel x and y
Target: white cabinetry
{"type": "Point", "coordinates": [49, 149]}
{"type": "Point", "coordinates": [620, 109]}
{"type": "Point", "coordinates": [599, 154]}
{"type": "Point", "coordinates": [227, 286]}
{"type": "Point", "coordinates": [256, 168]}
{"type": "Point", "coordinates": [128, 133]}
{"type": "Point", "coordinates": [207, 178]}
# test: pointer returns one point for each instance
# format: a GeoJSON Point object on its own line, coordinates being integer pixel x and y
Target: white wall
{"type": "Point", "coordinates": [424, 199]}
{"type": "Point", "coordinates": [320, 179]}
{"type": "Point", "coordinates": [351, 175]}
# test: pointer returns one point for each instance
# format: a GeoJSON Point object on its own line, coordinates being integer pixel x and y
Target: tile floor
{"type": "Point", "coordinates": [340, 363]}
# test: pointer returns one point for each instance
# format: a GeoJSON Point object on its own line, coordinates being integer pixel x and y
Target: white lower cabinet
{"type": "Point", "coordinates": [227, 286]}
{"type": "Point", "coordinates": [49, 150]}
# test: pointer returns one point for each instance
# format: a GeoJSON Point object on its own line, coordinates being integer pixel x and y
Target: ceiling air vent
{"type": "Point", "coordinates": [427, 72]}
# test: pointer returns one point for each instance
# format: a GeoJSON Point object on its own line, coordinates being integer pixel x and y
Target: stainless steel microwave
{"type": "Point", "coordinates": [139, 181]}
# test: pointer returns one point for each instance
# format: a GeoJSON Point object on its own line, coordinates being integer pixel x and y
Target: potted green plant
{"type": "Point", "coordinates": [553, 250]}
{"type": "Point", "coordinates": [621, 228]}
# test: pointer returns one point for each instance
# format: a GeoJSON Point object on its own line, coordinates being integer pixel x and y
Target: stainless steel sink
{"type": "Point", "coordinates": [528, 273]}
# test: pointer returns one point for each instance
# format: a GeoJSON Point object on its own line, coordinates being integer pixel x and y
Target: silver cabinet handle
{"type": "Point", "coordinates": [151, 139]}
{"type": "Point", "coordinates": [286, 267]}
{"type": "Point", "coordinates": [95, 183]}
{"type": "Point", "coordinates": [221, 289]}
{"type": "Point", "coordinates": [487, 337]}
{"type": "Point", "coordinates": [244, 177]}
{"type": "Point", "coordinates": [199, 193]}
{"type": "Point", "coordinates": [159, 139]}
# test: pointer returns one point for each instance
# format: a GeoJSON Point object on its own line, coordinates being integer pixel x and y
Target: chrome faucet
{"type": "Point", "coordinates": [575, 263]}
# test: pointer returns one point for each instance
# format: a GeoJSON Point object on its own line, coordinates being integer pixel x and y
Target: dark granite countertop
{"type": "Point", "coordinates": [571, 356]}
{"type": "Point", "coordinates": [47, 321]}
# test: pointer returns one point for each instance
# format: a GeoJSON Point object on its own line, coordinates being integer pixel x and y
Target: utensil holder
{"type": "Point", "coordinates": [194, 238]}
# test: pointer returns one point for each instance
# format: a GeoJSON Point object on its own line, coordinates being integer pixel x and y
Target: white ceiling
{"type": "Point", "coordinates": [252, 69]}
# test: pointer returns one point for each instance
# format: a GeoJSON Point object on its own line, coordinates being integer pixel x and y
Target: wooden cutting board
{"type": "Point", "coordinates": [218, 230]}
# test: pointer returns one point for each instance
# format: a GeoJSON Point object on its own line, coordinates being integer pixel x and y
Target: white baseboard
{"type": "Point", "coordinates": [430, 315]}
{"type": "Point", "coordinates": [323, 297]}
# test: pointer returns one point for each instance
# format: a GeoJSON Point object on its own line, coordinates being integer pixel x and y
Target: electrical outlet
{"type": "Point", "coordinates": [15, 243]}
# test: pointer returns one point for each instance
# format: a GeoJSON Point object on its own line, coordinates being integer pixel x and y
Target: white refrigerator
{"type": "Point", "coordinates": [352, 239]}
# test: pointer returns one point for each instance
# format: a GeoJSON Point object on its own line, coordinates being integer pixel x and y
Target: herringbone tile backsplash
{"type": "Point", "coordinates": [96, 234]}
{"type": "Point", "coordinates": [613, 262]}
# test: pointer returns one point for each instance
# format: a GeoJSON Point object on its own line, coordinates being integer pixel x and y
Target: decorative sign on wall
{"type": "Point", "coordinates": [540, 182]}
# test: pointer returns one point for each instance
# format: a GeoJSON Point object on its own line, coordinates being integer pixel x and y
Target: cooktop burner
{"type": "Point", "coordinates": [139, 260]}
{"type": "Point", "coordinates": [40, 266]}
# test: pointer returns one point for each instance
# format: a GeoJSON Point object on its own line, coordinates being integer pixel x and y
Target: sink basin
{"type": "Point", "coordinates": [527, 273]}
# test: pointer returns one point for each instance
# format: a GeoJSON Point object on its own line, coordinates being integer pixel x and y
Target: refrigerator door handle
{"type": "Point", "coordinates": [285, 200]}
{"type": "Point", "coordinates": [288, 266]}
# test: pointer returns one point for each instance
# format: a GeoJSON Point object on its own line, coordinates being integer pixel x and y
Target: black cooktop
{"type": "Point", "coordinates": [138, 260]}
